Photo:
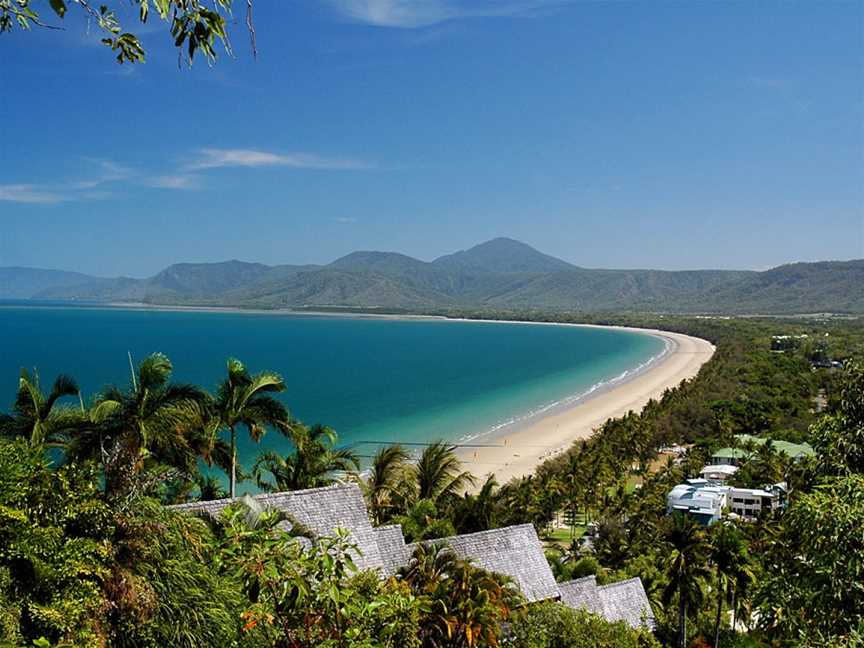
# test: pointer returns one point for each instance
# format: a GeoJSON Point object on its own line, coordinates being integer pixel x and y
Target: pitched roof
{"type": "Point", "coordinates": [513, 551]}
{"type": "Point", "coordinates": [626, 601]}
{"type": "Point", "coordinates": [392, 548]}
{"type": "Point", "coordinates": [730, 453]}
{"type": "Point", "coordinates": [622, 601]}
{"type": "Point", "coordinates": [323, 510]}
{"type": "Point", "coordinates": [581, 594]}
{"type": "Point", "coordinates": [792, 450]}
{"type": "Point", "coordinates": [720, 469]}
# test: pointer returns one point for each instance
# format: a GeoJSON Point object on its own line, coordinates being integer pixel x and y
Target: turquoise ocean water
{"type": "Point", "coordinates": [372, 380]}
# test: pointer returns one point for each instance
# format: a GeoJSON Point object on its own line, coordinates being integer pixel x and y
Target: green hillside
{"type": "Point", "coordinates": [500, 274]}
{"type": "Point", "coordinates": [502, 255]}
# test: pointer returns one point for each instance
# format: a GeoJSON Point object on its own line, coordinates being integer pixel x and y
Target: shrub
{"type": "Point", "coordinates": [552, 625]}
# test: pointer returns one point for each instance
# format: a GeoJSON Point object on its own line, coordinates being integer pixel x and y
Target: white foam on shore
{"type": "Point", "coordinates": [569, 402]}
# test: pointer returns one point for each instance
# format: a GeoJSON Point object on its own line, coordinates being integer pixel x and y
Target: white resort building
{"type": "Point", "coordinates": [709, 500]}
{"type": "Point", "coordinates": [697, 498]}
{"type": "Point", "coordinates": [718, 473]}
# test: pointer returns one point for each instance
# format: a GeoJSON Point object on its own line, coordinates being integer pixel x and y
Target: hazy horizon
{"type": "Point", "coordinates": [428, 260]}
{"type": "Point", "coordinates": [610, 135]}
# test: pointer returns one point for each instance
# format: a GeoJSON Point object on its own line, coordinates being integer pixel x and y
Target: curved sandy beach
{"type": "Point", "coordinates": [518, 452]}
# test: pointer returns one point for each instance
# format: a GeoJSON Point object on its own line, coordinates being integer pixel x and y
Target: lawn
{"type": "Point", "coordinates": [564, 536]}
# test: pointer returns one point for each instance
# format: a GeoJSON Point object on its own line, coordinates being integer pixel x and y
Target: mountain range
{"type": "Point", "coordinates": [501, 274]}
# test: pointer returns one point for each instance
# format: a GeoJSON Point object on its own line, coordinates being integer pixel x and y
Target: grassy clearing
{"type": "Point", "coordinates": [564, 536]}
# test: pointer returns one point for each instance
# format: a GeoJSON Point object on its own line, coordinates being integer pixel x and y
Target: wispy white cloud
{"type": "Point", "coordinates": [45, 195]}
{"type": "Point", "coordinates": [211, 158]}
{"type": "Point", "coordinates": [174, 181]}
{"type": "Point", "coordinates": [103, 171]}
{"type": "Point", "coordinates": [407, 14]}
{"type": "Point", "coordinates": [89, 187]}
{"type": "Point", "coordinates": [105, 177]}
{"type": "Point", "coordinates": [344, 220]}
{"type": "Point", "coordinates": [28, 193]}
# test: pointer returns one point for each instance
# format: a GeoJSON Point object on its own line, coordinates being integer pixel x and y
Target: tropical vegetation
{"type": "Point", "coordinates": [89, 554]}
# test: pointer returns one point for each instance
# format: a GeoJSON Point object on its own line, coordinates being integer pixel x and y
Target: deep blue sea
{"type": "Point", "coordinates": [372, 380]}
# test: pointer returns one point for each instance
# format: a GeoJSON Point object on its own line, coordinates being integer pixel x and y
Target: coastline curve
{"type": "Point", "coordinates": [528, 443]}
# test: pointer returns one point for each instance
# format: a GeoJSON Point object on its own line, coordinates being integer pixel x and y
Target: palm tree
{"type": "Point", "coordinates": [422, 521]}
{"type": "Point", "coordinates": [466, 605]}
{"type": "Point", "coordinates": [728, 553]}
{"type": "Point", "coordinates": [246, 400]}
{"type": "Point", "coordinates": [314, 462]}
{"type": "Point", "coordinates": [383, 484]}
{"type": "Point", "coordinates": [153, 421]}
{"type": "Point", "coordinates": [478, 603]}
{"type": "Point", "coordinates": [686, 568]}
{"type": "Point", "coordinates": [210, 488]}
{"type": "Point", "coordinates": [476, 512]}
{"type": "Point", "coordinates": [743, 580]}
{"type": "Point", "coordinates": [559, 564]}
{"type": "Point", "coordinates": [439, 475]}
{"type": "Point", "coordinates": [430, 564]}
{"type": "Point", "coordinates": [38, 417]}
{"type": "Point", "coordinates": [573, 480]}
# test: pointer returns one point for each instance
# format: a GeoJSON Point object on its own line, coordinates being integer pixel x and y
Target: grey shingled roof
{"type": "Point", "coordinates": [323, 510]}
{"type": "Point", "coordinates": [513, 551]}
{"type": "Point", "coordinates": [622, 601]}
{"type": "Point", "coordinates": [581, 594]}
{"type": "Point", "coordinates": [392, 548]}
{"type": "Point", "coordinates": [626, 601]}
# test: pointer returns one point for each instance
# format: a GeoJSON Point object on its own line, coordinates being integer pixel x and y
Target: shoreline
{"type": "Point", "coordinates": [528, 442]}
{"type": "Point", "coordinates": [572, 401]}
{"type": "Point", "coordinates": [525, 446]}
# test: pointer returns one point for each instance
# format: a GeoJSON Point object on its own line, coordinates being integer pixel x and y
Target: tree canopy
{"type": "Point", "coordinates": [194, 26]}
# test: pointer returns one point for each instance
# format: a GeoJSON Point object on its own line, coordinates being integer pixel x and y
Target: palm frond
{"type": "Point", "coordinates": [154, 371]}
{"type": "Point", "coordinates": [271, 462]}
{"type": "Point", "coordinates": [237, 373]}
{"type": "Point", "coordinates": [265, 409]}
{"type": "Point", "coordinates": [104, 409]}
{"type": "Point", "coordinates": [182, 391]}
{"type": "Point", "coordinates": [111, 393]}
{"type": "Point", "coordinates": [322, 434]}
{"type": "Point", "coordinates": [63, 386]}
{"type": "Point", "coordinates": [344, 460]}
{"type": "Point", "coordinates": [28, 399]}
{"type": "Point", "coordinates": [266, 382]}
{"type": "Point", "coordinates": [438, 472]}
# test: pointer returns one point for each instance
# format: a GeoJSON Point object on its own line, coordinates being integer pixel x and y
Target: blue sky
{"type": "Point", "coordinates": [611, 134]}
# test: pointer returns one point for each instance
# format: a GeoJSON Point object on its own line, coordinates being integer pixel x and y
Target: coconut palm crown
{"type": "Point", "coordinates": [153, 421]}
{"type": "Point", "coordinates": [39, 417]}
{"type": "Point", "coordinates": [439, 474]}
{"type": "Point", "coordinates": [245, 400]}
{"type": "Point", "coordinates": [313, 463]}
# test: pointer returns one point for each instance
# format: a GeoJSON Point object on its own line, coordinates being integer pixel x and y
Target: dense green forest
{"type": "Point", "coordinates": [90, 556]}
{"type": "Point", "coordinates": [499, 274]}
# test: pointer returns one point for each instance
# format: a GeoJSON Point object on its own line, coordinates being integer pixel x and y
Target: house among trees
{"type": "Point", "coordinates": [718, 473]}
{"type": "Point", "coordinates": [514, 551]}
{"type": "Point", "coordinates": [321, 511]}
{"type": "Point", "coordinates": [698, 499]}
{"type": "Point", "coordinates": [749, 503]}
{"type": "Point", "coordinates": [708, 501]}
{"type": "Point", "coordinates": [787, 342]}
{"type": "Point", "coordinates": [739, 454]}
